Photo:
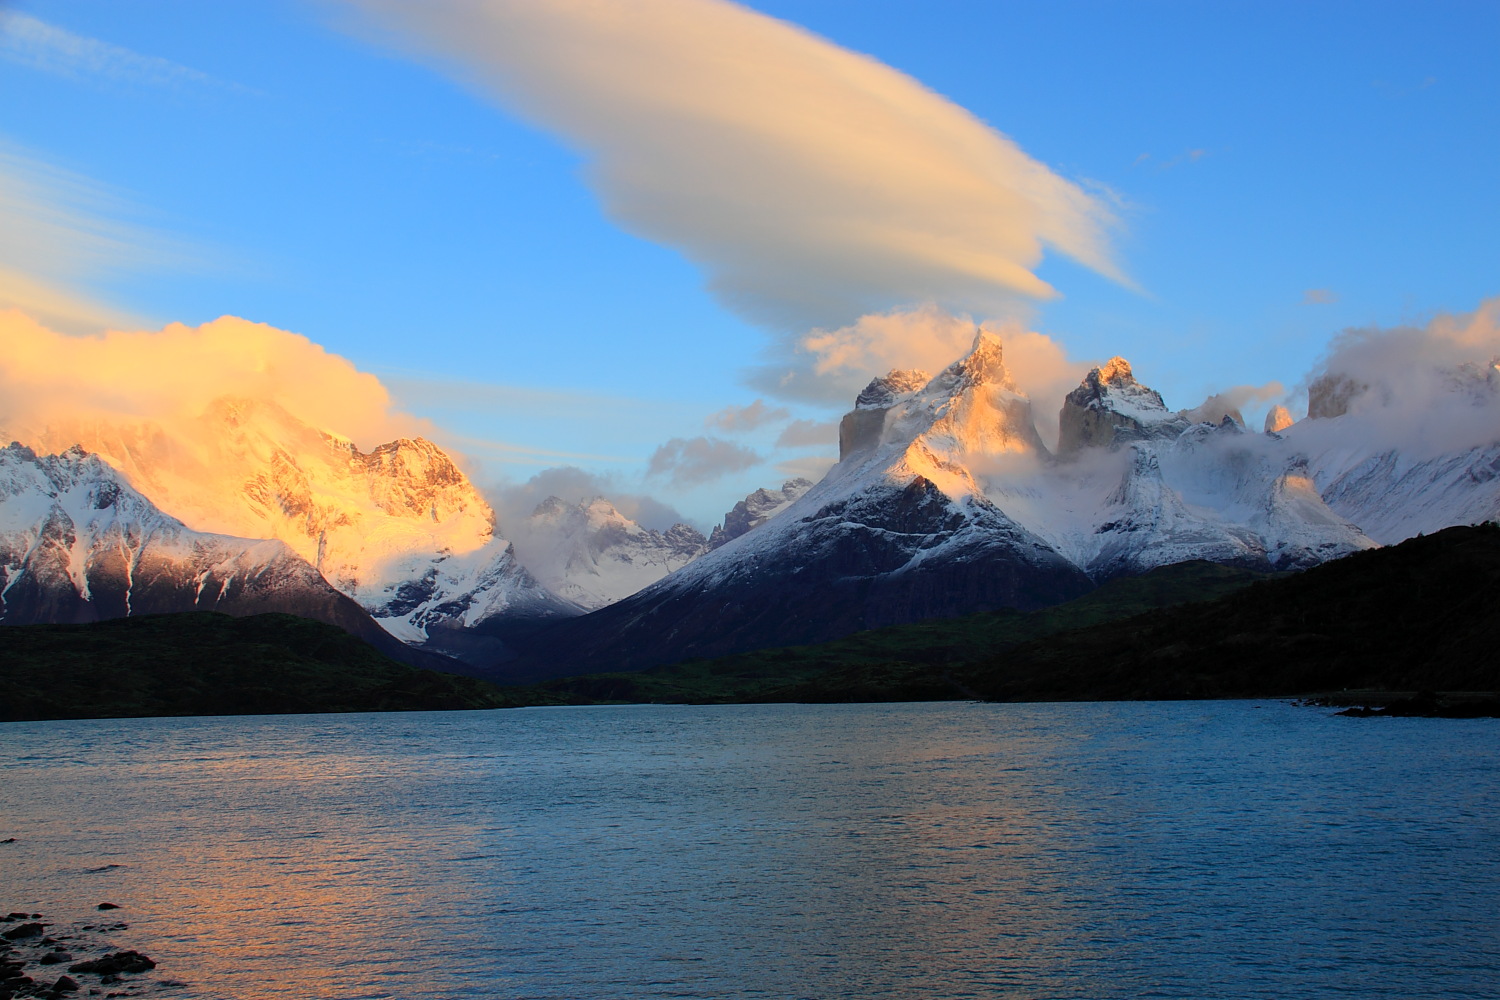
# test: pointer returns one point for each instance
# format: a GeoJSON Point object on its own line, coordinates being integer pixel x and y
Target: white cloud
{"type": "Point", "coordinates": [1425, 390]}
{"type": "Point", "coordinates": [813, 184]}
{"type": "Point", "coordinates": [514, 502]}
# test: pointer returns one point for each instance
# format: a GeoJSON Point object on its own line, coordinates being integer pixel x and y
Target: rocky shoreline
{"type": "Point", "coordinates": [1409, 704]}
{"type": "Point", "coordinates": [45, 958]}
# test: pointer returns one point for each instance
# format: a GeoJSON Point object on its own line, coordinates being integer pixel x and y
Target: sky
{"type": "Point", "coordinates": [663, 242]}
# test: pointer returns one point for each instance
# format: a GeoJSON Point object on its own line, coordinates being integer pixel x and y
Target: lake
{"type": "Point", "coordinates": [1185, 849]}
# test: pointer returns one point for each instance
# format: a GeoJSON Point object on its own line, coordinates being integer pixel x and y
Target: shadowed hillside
{"type": "Point", "coordinates": [205, 663]}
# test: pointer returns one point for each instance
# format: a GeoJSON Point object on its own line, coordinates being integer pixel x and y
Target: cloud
{"type": "Point", "coordinates": [813, 184]}
{"type": "Point", "coordinates": [514, 503]}
{"type": "Point", "coordinates": [169, 376]}
{"type": "Point", "coordinates": [809, 433]}
{"type": "Point", "coordinates": [30, 42]}
{"type": "Point", "coordinates": [58, 230]}
{"type": "Point", "coordinates": [813, 467]}
{"type": "Point", "coordinates": [832, 366]}
{"type": "Point", "coordinates": [1319, 297]}
{"type": "Point", "coordinates": [691, 461]}
{"type": "Point", "coordinates": [741, 419]}
{"type": "Point", "coordinates": [1425, 390]}
{"type": "Point", "coordinates": [1233, 401]}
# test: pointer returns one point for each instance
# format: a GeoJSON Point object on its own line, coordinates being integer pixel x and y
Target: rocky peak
{"type": "Point", "coordinates": [983, 365]}
{"type": "Point", "coordinates": [1115, 370]}
{"type": "Point", "coordinates": [881, 393]}
{"type": "Point", "coordinates": [1278, 419]}
{"type": "Point", "coordinates": [550, 508]}
{"type": "Point", "coordinates": [1113, 386]}
{"type": "Point", "coordinates": [862, 426]}
{"type": "Point", "coordinates": [1110, 407]}
{"type": "Point", "coordinates": [756, 509]}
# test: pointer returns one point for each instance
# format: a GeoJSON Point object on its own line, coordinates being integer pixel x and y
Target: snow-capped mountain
{"type": "Point", "coordinates": [756, 509]}
{"type": "Point", "coordinates": [79, 544]}
{"type": "Point", "coordinates": [1403, 458]}
{"type": "Point", "coordinates": [592, 555]}
{"type": "Point", "coordinates": [945, 501]}
{"type": "Point", "coordinates": [897, 531]}
{"type": "Point", "coordinates": [1138, 486]}
{"type": "Point", "coordinates": [400, 529]}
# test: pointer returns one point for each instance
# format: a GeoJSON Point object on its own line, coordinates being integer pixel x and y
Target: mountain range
{"type": "Point", "coordinates": [945, 501]}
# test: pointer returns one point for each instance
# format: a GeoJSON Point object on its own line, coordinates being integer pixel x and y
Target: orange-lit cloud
{"type": "Point", "coordinates": [169, 376]}
{"type": "Point", "coordinates": [814, 184]}
{"type": "Point", "coordinates": [831, 366]}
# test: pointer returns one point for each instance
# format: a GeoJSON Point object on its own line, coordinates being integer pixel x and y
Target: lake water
{"type": "Point", "coordinates": [1194, 850]}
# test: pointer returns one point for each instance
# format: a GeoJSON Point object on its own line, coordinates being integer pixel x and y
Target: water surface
{"type": "Point", "coordinates": [1195, 850]}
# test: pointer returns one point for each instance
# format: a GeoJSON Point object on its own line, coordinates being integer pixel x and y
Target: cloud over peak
{"type": "Point", "coordinates": [812, 183]}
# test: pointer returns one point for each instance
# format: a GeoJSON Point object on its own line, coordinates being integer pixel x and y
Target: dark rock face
{"type": "Point", "coordinates": [881, 557]}
{"type": "Point", "coordinates": [861, 427]}
{"type": "Point", "coordinates": [116, 963]}
{"type": "Point", "coordinates": [1330, 395]}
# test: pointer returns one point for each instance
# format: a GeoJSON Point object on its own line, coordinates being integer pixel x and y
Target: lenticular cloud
{"type": "Point", "coordinates": [812, 183]}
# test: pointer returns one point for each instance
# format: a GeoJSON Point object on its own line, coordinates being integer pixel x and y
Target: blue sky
{"type": "Point", "coordinates": [1277, 172]}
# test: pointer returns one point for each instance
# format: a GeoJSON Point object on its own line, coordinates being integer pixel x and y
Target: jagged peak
{"type": "Point", "coordinates": [550, 507]}
{"type": "Point", "coordinates": [1114, 382]}
{"type": "Point", "coordinates": [602, 508]}
{"type": "Point", "coordinates": [1116, 369]}
{"type": "Point", "coordinates": [983, 365]}
{"type": "Point", "coordinates": [882, 392]}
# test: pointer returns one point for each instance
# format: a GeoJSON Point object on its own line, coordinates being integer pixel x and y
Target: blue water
{"type": "Point", "coordinates": [1194, 850]}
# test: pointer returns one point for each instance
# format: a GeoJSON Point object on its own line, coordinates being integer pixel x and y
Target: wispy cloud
{"type": "Point", "coordinates": [808, 433]}
{"type": "Point", "coordinates": [1184, 158]}
{"type": "Point", "coordinates": [31, 42]}
{"type": "Point", "coordinates": [1319, 297]}
{"type": "Point", "coordinates": [691, 461]}
{"type": "Point", "coordinates": [59, 231]}
{"type": "Point", "coordinates": [812, 183]}
{"type": "Point", "coordinates": [743, 419]}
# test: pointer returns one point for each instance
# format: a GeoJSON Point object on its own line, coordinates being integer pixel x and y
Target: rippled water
{"type": "Point", "coordinates": [1193, 850]}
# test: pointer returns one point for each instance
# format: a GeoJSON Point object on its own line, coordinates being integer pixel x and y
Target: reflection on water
{"type": "Point", "coordinates": [1188, 850]}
